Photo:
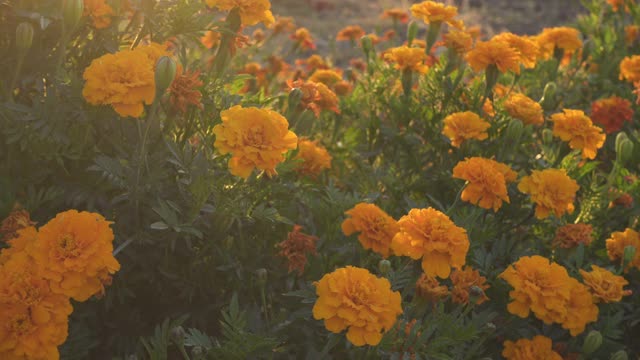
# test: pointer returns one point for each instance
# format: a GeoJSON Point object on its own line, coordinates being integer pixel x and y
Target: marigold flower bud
{"type": "Point", "coordinates": [620, 355]}
{"type": "Point", "coordinates": [629, 255]}
{"type": "Point", "coordinates": [295, 96]}
{"type": "Point", "coordinates": [72, 12]}
{"type": "Point", "coordinates": [548, 96]}
{"type": "Point", "coordinates": [547, 136]}
{"type": "Point", "coordinates": [165, 73]}
{"type": "Point", "coordinates": [262, 276]}
{"type": "Point", "coordinates": [24, 37]}
{"type": "Point", "coordinates": [592, 342]}
{"type": "Point", "coordinates": [367, 45]}
{"type": "Point", "coordinates": [177, 334]}
{"type": "Point", "coordinates": [384, 266]}
{"type": "Point", "coordinates": [412, 31]}
{"type": "Point", "coordinates": [624, 148]}
{"type": "Point", "coordinates": [514, 130]}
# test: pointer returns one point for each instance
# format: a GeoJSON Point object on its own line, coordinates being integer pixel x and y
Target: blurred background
{"type": "Point", "coordinates": [326, 17]}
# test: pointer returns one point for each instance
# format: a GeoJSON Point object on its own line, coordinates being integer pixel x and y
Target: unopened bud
{"type": "Point", "coordinates": [294, 98]}
{"type": "Point", "coordinates": [514, 130]}
{"type": "Point", "coordinates": [547, 136]}
{"type": "Point", "coordinates": [624, 148]}
{"type": "Point", "coordinates": [548, 96]}
{"type": "Point", "coordinates": [412, 31]}
{"type": "Point", "coordinates": [165, 73]}
{"type": "Point", "coordinates": [592, 342]}
{"type": "Point", "coordinates": [628, 255]}
{"type": "Point", "coordinates": [197, 352]}
{"type": "Point", "coordinates": [620, 355]}
{"type": "Point", "coordinates": [24, 37]}
{"type": "Point", "coordinates": [72, 12]}
{"type": "Point", "coordinates": [262, 276]}
{"type": "Point", "coordinates": [367, 45]}
{"type": "Point", "coordinates": [177, 334]}
{"type": "Point", "coordinates": [384, 266]}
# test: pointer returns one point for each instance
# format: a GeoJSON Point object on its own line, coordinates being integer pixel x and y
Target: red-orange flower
{"type": "Point", "coordinates": [611, 113]}
{"type": "Point", "coordinates": [296, 247]}
{"type": "Point", "coordinates": [17, 219]}
{"type": "Point", "coordinates": [350, 33]}
{"type": "Point", "coordinates": [303, 39]}
{"type": "Point", "coordinates": [572, 235]}
{"type": "Point", "coordinates": [396, 14]}
{"type": "Point", "coordinates": [468, 281]}
{"type": "Point", "coordinates": [183, 90]}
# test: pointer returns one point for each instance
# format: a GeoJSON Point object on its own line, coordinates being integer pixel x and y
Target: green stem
{"type": "Point", "coordinates": [185, 356]}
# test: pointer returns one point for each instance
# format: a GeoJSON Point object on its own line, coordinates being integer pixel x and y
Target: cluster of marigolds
{"type": "Point", "coordinates": [71, 256]}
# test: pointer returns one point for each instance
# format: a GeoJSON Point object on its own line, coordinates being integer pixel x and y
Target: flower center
{"type": "Point", "coordinates": [21, 324]}
{"type": "Point", "coordinates": [68, 246]}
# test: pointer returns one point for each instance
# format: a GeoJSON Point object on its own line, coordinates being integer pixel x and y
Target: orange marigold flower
{"type": "Point", "coordinates": [342, 88]}
{"type": "Point", "coordinates": [431, 235]}
{"type": "Point", "coordinates": [630, 69]}
{"type": "Point", "coordinates": [375, 226]}
{"type": "Point", "coordinates": [551, 190]}
{"type": "Point", "coordinates": [327, 77]}
{"type": "Point", "coordinates": [256, 138]}
{"type": "Point", "coordinates": [125, 80]}
{"type": "Point", "coordinates": [350, 33]}
{"type": "Point", "coordinates": [432, 12]}
{"type": "Point", "coordinates": [18, 219]}
{"type": "Point", "coordinates": [251, 11]}
{"type": "Point", "coordinates": [352, 298]}
{"type": "Point", "coordinates": [284, 24]}
{"type": "Point", "coordinates": [183, 90]}
{"type": "Point", "coordinates": [310, 94]}
{"type": "Point", "coordinates": [408, 59]}
{"type": "Point", "coordinates": [468, 281]}
{"type": "Point", "coordinates": [20, 244]}
{"type": "Point", "coordinates": [429, 288]}
{"type": "Point", "coordinates": [538, 348]}
{"type": "Point", "coordinates": [100, 13]}
{"type": "Point", "coordinates": [487, 181]}
{"type": "Point", "coordinates": [458, 40]}
{"type": "Point", "coordinates": [604, 285]}
{"type": "Point", "coordinates": [562, 38]}
{"type": "Point", "coordinates": [74, 251]}
{"type": "Point", "coordinates": [396, 14]}
{"type": "Point", "coordinates": [258, 35]}
{"type": "Point", "coordinates": [525, 109]}
{"type": "Point", "coordinates": [296, 247]}
{"type": "Point", "coordinates": [328, 100]}
{"type": "Point", "coordinates": [466, 125]}
{"type": "Point", "coordinates": [617, 4]}
{"type": "Point", "coordinates": [572, 235]}
{"type": "Point", "coordinates": [631, 33]}
{"type": "Point", "coordinates": [211, 39]}
{"type": "Point", "coordinates": [611, 113]}
{"type": "Point", "coordinates": [624, 200]}
{"type": "Point", "coordinates": [576, 128]}
{"type": "Point", "coordinates": [313, 62]}
{"type": "Point", "coordinates": [358, 64]}
{"type": "Point", "coordinates": [315, 158]}
{"type": "Point", "coordinates": [581, 309]}
{"type": "Point", "coordinates": [303, 39]}
{"type": "Point", "coordinates": [618, 241]}
{"type": "Point", "coordinates": [527, 49]}
{"type": "Point", "coordinates": [494, 52]}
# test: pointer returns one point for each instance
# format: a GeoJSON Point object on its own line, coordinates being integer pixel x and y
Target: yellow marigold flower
{"type": "Point", "coordinates": [315, 158]}
{"type": "Point", "coordinates": [256, 138]}
{"type": "Point", "coordinates": [431, 235]}
{"type": "Point", "coordinates": [526, 48]}
{"type": "Point", "coordinates": [375, 226]}
{"type": "Point", "coordinates": [183, 90]}
{"type": "Point", "coordinates": [284, 24]}
{"type": "Point", "coordinates": [296, 247]}
{"type": "Point", "coordinates": [313, 62]}
{"type": "Point", "coordinates": [211, 39]}
{"type": "Point", "coordinates": [430, 289]}
{"type": "Point", "coordinates": [327, 77]}
{"type": "Point", "coordinates": [494, 52]}
{"type": "Point", "coordinates": [611, 113]}
{"type": "Point", "coordinates": [432, 12]}
{"type": "Point", "coordinates": [463, 281]}
{"type": "Point", "coordinates": [303, 39]}
{"type": "Point", "coordinates": [604, 285]}
{"type": "Point", "coordinates": [350, 33]}
{"type": "Point", "coordinates": [631, 33]}
{"type": "Point", "coordinates": [525, 109]}
{"type": "Point", "coordinates": [18, 219]}
{"type": "Point", "coordinates": [328, 100]}
{"type": "Point", "coordinates": [551, 190]}
{"type": "Point", "coordinates": [74, 251]}
{"type": "Point", "coordinates": [576, 128]}
{"type": "Point", "coordinates": [618, 241]}
{"type": "Point", "coordinates": [572, 235]}
{"type": "Point", "coordinates": [538, 348]}
{"type": "Point", "coordinates": [408, 59]}
{"type": "Point", "coordinates": [99, 12]}
{"type": "Point", "coordinates": [540, 287]}
{"type": "Point", "coordinates": [563, 38]}
{"type": "Point", "coordinates": [125, 80]}
{"type": "Point", "coordinates": [462, 126]}
{"type": "Point", "coordinates": [487, 181]}
{"type": "Point", "coordinates": [251, 11]}
{"type": "Point", "coordinates": [630, 69]}
{"type": "Point", "coordinates": [397, 14]}
{"type": "Point", "coordinates": [458, 40]}
{"type": "Point", "coordinates": [352, 298]}
{"type": "Point", "coordinates": [581, 309]}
